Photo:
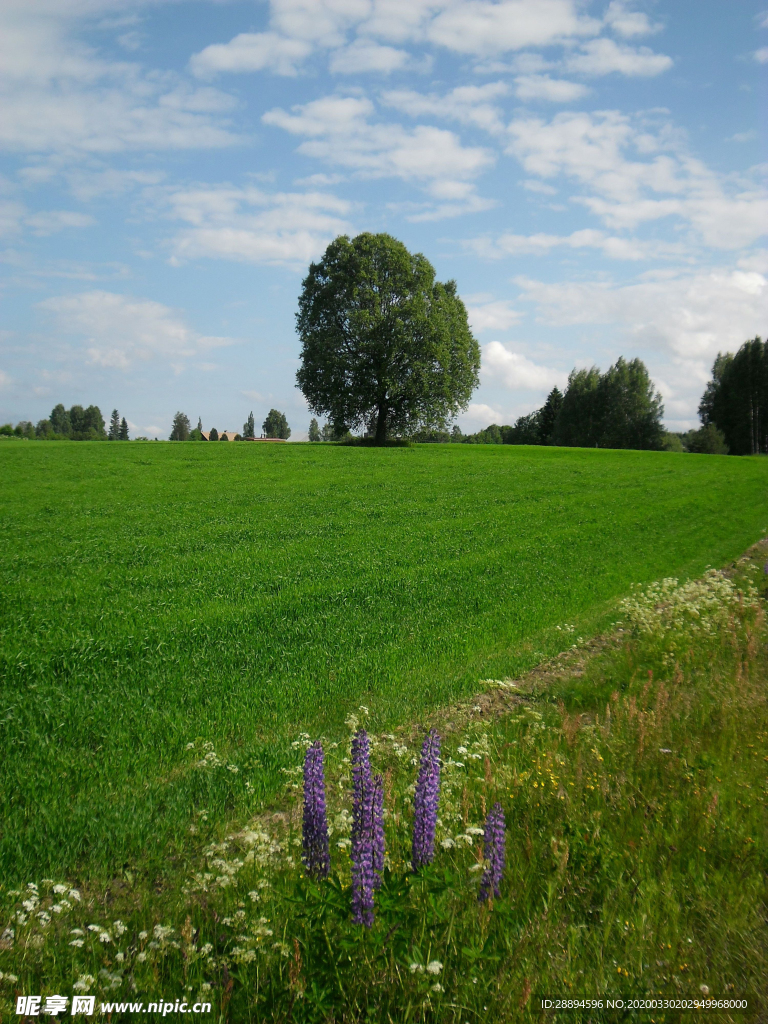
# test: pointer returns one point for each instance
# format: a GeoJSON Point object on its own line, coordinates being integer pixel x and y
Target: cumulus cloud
{"type": "Point", "coordinates": [251, 51]}
{"type": "Point", "coordinates": [59, 95]}
{"type": "Point", "coordinates": [554, 90]}
{"type": "Point", "coordinates": [761, 55]}
{"type": "Point", "coordinates": [516, 371]}
{"type": "Point", "coordinates": [620, 18]}
{"type": "Point", "coordinates": [541, 244]}
{"type": "Point", "coordinates": [473, 105]}
{"type": "Point", "coordinates": [48, 222]}
{"type": "Point", "coordinates": [481, 27]}
{"type": "Point", "coordinates": [118, 331]}
{"type": "Point", "coordinates": [497, 315]}
{"type": "Point", "coordinates": [339, 130]}
{"type": "Point", "coordinates": [604, 56]}
{"type": "Point", "coordinates": [689, 315]}
{"type": "Point", "coordinates": [252, 226]}
{"type": "Point", "coordinates": [632, 174]}
{"type": "Point", "coordinates": [362, 57]}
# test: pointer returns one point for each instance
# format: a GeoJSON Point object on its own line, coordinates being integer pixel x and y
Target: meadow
{"type": "Point", "coordinates": [631, 770]}
{"type": "Point", "coordinates": [157, 595]}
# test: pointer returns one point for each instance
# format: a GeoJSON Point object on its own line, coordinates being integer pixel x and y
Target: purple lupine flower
{"type": "Point", "coordinates": [363, 876]}
{"type": "Point", "coordinates": [495, 848]}
{"type": "Point", "coordinates": [378, 830]}
{"type": "Point", "coordinates": [315, 825]}
{"type": "Point", "coordinates": [425, 802]}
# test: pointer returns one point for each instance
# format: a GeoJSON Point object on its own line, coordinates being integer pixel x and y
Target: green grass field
{"type": "Point", "coordinates": [157, 595]}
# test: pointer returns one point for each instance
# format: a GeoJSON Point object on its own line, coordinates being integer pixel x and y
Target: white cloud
{"type": "Point", "coordinates": [337, 130]}
{"type": "Point", "coordinates": [761, 55]}
{"type": "Point", "coordinates": [11, 216]}
{"type": "Point", "coordinates": [628, 23]}
{"type": "Point", "coordinates": [634, 175]}
{"type": "Point", "coordinates": [482, 28]}
{"type": "Point", "coordinates": [482, 415]}
{"type": "Point", "coordinates": [542, 87]}
{"type": "Point", "coordinates": [5, 379]}
{"type": "Point", "coordinates": [58, 94]}
{"type": "Point", "coordinates": [496, 315]}
{"type": "Point", "coordinates": [117, 331]}
{"type": "Point", "coordinates": [468, 104]}
{"type": "Point", "coordinates": [542, 244]}
{"type": "Point", "coordinates": [50, 221]}
{"type": "Point", "coordinates": [603, 56]}
{"type": "Point", "coordinates": [692, 316]}
{"type": "Point", "coordinates": [251, 51]}
{"type": "Point", "coordinates": [363, 57]}
{"type": "Point", "coordinates": [516, 371]}
{"type": "Point", "coordinates": [249, 225]}
{"type": "Point", "coordinates": [743, 136]}
{"type": "Point", "coordinates": [89, 185]}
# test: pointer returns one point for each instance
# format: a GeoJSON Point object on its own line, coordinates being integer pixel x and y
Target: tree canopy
{"type": "Point", "coordinates": [180, 427]}
{"type": "Point", "coordinates": [616, 409]}
{"type": "Point", "coordinates": [276, 425]}
{"type": "Point", "coordinates": [249, 427]}
{"type": "Point", "coordinates": [385, 346]}
{"type": "Point", "coordinates": [736, 398]}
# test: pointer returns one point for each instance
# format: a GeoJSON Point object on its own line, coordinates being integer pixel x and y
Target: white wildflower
{"type": "Point", "coordinates": [447, 843]}
{"type": "Point", "coordinates": [413, 968]}
{"type": "Point", "coordinates": [119, 928]}
{"type": "Point", "coordinates": [434, 967]}
{"type": "Point", "coordinates": [143, 935]}
{"type": "Point", "coordinates": [84, 983]}
{"type": "Point", "coordinates": [77, 943]}
{"type": "Point", "coordinates": [141, 957]}
{"type": "Point", "coordinates": [60, 889]}
{"type": "Point", "coordinates": [437, 987]}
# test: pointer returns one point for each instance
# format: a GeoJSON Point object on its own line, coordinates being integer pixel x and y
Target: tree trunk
{"type": "Point", "coordinates": [381, 424]}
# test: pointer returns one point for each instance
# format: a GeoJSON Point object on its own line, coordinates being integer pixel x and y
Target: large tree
{"type": "Point", "coordinates": [384, 345]}
{"type": "Point", "coordinates": [249, 427]}
{"type": "Point", "coordinates": [114, 426]}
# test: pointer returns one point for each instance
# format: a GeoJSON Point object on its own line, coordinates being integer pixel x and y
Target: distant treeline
{"type": "Point", "coordinates": [616, 409]}
{"type": "Point", "coordinates": [622, 409]}
{"type": "Point", "coordinates": [75, 424]}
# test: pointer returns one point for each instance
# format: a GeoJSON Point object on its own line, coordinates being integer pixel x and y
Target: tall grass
{"type": "Point", "coordinates": [157, 595]}
{"type": "Point", "coordinates": [634, 786]}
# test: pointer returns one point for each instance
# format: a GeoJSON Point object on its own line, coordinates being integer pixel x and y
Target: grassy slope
{"type": "Point", "coordinates": [154, 594]}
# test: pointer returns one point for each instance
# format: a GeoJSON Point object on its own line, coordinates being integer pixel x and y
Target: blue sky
{"type": "Point", "coordinates": [591, 174]}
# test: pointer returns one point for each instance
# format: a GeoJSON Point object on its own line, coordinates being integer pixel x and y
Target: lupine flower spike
{"type": "Point", "coordinates": [495, 848]}
{"type": "Point", "coordinates": [362, 853]}
{"type": "Point", "coordinates": [316, 857]}
{"type": "Point", "coordinates": [426, 802]}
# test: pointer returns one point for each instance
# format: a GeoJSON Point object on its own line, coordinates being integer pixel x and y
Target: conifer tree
{"type": "Point", "coordinates": [249, 426]}
{"type": "Point", "coordinates": [123, 434]}
{"type": "Point", "coordinates": [114, 426]}
{"type": "Point", "coordinates": [314, 430]}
